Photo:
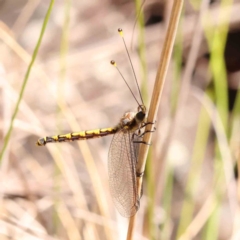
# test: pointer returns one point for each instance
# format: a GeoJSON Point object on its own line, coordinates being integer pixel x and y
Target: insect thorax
{"type": "Point", "coordinates": [131, 120]}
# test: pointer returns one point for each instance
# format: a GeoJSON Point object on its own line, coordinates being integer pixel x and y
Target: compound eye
{"type": "Point", "coordinates": [140, 116]}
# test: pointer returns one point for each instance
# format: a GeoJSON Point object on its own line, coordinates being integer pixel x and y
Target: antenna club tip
{"type": "Point", "coordinates": [120, 31]}
{"type": "Point", "coordinates": [113, 63]}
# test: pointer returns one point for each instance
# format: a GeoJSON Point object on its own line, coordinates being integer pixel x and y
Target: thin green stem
{"type": "Point", "coordinates": [8, 135]}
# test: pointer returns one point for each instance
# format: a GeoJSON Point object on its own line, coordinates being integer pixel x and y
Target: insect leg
{"type": "Point", "coordinates": [146, 132]}
{"type": "Point", "coordinates": [144, 124]}
{"type": "Point", "coordinates": [140, 175]}
{"type": "Point", "coordinates": [140, 135]}
{"type": "Point", "coordinates": [143, 142]}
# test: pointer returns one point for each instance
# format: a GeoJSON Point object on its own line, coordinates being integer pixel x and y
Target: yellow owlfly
{"type": "Point", "coordinates": [123, 152]}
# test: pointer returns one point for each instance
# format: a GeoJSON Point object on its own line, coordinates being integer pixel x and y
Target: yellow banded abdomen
{"type": "Point", "coordinates": [83, 135]}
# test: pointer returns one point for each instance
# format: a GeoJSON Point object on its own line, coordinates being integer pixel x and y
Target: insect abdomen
{"type": "Point", "coordinates": [83, 135]}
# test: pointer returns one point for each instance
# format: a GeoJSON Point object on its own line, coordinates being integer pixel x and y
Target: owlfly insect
{"type": "Point", "coordinates": [123, 153]}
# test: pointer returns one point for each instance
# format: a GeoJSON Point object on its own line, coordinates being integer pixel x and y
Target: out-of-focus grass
{"type": "Point", "coordinates": [169, 172]}
{"type": "Point", "coordinates": [195, 171]}
{"type": "Point", "coordinates": [216, 38]}
{"type": "Point", "coordinates": [60, 95]}
{"type": "Point", "coordinates": [142, 49]}
{"type": "Point", "coordinates": [144, 92]}
{"type": "Point", "coordinates": [166, 230]}
{"type": "Point", "coordinates": [25, 80]}
{"type": "Point", "coordinates": [177, 61]}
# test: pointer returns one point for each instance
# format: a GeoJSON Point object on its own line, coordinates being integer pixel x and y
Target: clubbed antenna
{"type": "Point", "coordinates": [121, 34]}
{"type": "Point", "coordinates": [115, 65]}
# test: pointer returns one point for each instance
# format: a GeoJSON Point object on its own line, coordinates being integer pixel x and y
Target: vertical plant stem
{"type": "Point", "coordinates": [160, 78]}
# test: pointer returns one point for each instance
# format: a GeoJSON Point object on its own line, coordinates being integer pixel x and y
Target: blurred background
{"type": "Point", "coordinates": [61, 191]}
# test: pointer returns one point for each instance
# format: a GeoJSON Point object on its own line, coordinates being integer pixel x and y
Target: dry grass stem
{"type": "Point", "coordinates": [156, 95]}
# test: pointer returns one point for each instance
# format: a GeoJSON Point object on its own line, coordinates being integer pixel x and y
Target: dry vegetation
{"type": "Point", "coordinates": [61, 191]}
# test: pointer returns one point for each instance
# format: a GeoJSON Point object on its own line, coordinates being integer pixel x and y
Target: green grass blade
{"type": "Point", "coordinates": [61, 101]}
{"type": "Point", "coordinates": [8, 135]}
{"type": "Point", "coordinates": [194, 171]}
{"type": "Point", "coordinates": [142, 48]}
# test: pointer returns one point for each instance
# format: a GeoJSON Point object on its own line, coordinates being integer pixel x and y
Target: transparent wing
{"type": "Point", "coordinates": [122, 173]}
